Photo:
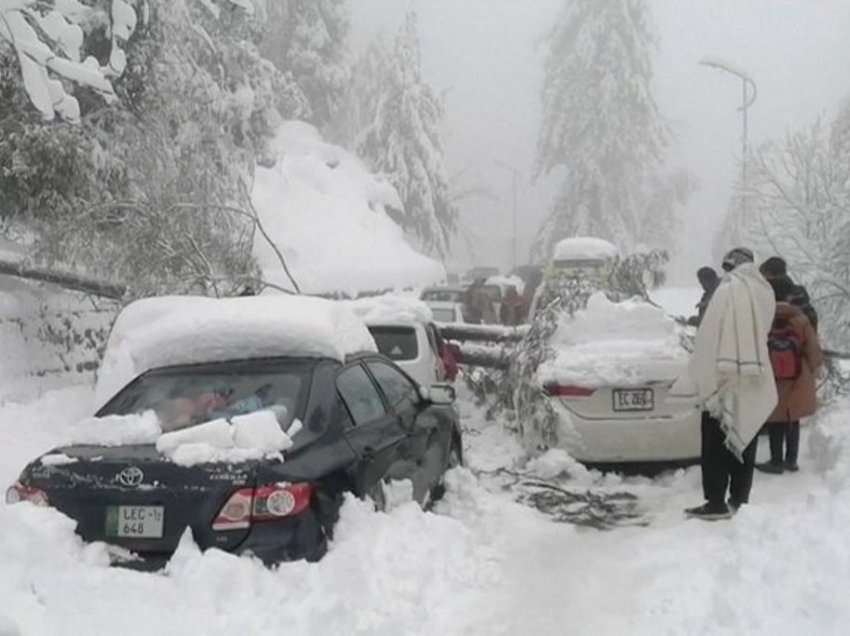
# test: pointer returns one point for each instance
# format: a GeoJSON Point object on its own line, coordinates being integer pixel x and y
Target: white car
{"type": "Point", "coordinates": [608, 383]}
{"type": "Point", "coordinates": [412, 345]}
{"type": "Point", "coordinates": [446, 312]}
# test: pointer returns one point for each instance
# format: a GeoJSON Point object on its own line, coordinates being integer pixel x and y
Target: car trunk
{"type": "Point", "coordinates": [131, 497]}
{"type": "Point", "coordinates": [644, 400]}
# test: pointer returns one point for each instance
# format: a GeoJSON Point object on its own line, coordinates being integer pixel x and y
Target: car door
{"type": "Point", "coordinates": [374, 431]}
{"type": "Point", "coordinates": [428, 436]}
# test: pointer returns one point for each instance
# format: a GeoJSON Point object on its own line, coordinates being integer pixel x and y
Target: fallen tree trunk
{"type": "Point", "coordinates": [66, 280]}
{"type": "Point", "coordinates": [482, 333]}
{"type": "Point", "coordinates": [492, 357]}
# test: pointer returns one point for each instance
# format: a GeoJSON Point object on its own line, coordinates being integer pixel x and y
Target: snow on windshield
{"type": "Point", "coordinates": [610, 343]}
{"type": "Point", "coordinates": [160, 332]}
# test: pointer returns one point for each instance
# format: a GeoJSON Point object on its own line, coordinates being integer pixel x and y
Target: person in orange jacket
{"type": "Point", "coordinates": [796, 387]}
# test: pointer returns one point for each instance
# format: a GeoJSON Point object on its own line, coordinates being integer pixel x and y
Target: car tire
{"type": "Point", "coordinates": [378, 496]}
{"type": "Point", "coordinates": [453, 460]}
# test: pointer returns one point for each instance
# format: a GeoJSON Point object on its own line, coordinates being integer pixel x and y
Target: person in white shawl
{"type": "Point", "coordinates": [731, 380]}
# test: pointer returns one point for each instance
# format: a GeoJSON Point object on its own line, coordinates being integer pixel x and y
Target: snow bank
{"type": "Point", "coordinates": [326, 212]}
{"type": "Point", "coordinates": [252, 436]}
{"type": "Point", "coordinates": [391, 308]}
{"type": "Point", "coordinates": [159, 332]}
{"type": "Point", "coordinates": [623, 344]}
{"type": "Point", "coordinates": [584, 248]}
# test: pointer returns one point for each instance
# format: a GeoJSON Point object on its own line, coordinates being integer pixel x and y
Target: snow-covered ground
{"type": "Point", "coordinates": [483, 563]}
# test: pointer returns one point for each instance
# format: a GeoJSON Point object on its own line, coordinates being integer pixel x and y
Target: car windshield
{"type": "Point", "coordinates": [397, 343]}
{"type": "Point", "coordinates": [190, 395]}
{"type": "Point", "coordinates": [443, 295]}
{"type": "Point", "coordinates": [443, 314]}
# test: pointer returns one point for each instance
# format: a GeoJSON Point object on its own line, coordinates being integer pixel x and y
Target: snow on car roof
{"type": "Point", "coordinates": [582, 248]}
{"type": "Point", "coordinates": [171, 330]}
{"type": "Point", "coordinates": [391, 309]}
{"type": "Point", "coordinates": [614, 344]}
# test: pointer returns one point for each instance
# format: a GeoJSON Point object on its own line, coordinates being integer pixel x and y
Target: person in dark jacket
{"type": "Point", "coordinates": [797, 396]}
{"type": "Point", "coordinates": [708, 280]}
{"type": "Point", "coordinates": [775, 268]}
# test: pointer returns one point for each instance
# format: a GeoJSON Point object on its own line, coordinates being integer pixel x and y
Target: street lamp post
{"type": "Point", "coordinates": [514, 188]}
{"type": "Point", "coordinates": [749, 92]}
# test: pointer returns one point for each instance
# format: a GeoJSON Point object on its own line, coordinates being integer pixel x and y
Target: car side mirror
{"type": "Point", "coordinates": [439, 394]}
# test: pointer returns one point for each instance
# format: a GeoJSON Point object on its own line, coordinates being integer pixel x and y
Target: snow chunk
{"type": "Point", "coordinates": [160, 332]}
{"type": "Point", "coordinates": [117, 430]}
{"type": "Point", "coordinates": [391, 308]}
{"type": "Point", "coordinates": [58, 459]}
{"type": "Point", "coordinates": [328, 215]}
{"type": "Point", "coordinates": [623, 344]}
{"type": "Point", "coordinates": [251, 436]}
{"type": "Point", "coordinates": [584, 248]}
{"type": "Point", "coordinates": [260, 430]}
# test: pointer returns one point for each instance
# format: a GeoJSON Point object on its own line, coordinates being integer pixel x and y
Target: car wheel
{"type": "Point", "coordinates": [439, 490]}
{"type": "Point", "coordinates": [378, 496]}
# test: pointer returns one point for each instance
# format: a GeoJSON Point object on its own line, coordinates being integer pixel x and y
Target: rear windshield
{"type": "Point", "coordinates": [443, 314]}
{"type": "Point", "coordinates": [443, 295]}
{"type": "Point", "coordinates": [397, 343]}
{"type": "Point", "coordinates": [190, 395]}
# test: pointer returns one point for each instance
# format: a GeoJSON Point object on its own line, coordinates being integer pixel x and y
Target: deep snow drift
{"type": "Point", "coordinates": [481, 565]}
{"type": "Point", "coordinates": [327, 214]}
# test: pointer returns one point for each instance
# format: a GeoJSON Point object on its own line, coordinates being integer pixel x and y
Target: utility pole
{"type": "Point", "coordinates": [515, 194]}
{"type": "Point", "coordinates": [749, 92]}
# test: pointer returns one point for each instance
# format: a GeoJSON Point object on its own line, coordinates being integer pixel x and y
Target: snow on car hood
{"type": "Point", "coordinates": [173, 330]}
{"type": "Point", "coordinates": [614, 344]}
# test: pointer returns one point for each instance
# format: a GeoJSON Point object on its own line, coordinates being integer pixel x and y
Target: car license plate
{"type": "Point", "coordinates": [137, 522]}
{"type": "Point", "coordinates": [634, 400]}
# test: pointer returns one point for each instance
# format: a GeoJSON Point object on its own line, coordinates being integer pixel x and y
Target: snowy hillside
{"type": "Point", "coordinates": [327, 213]}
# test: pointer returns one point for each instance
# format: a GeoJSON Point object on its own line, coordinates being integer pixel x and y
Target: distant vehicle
{"type": "Point", "coordinates": [365, 422]}
{"type": "Point", "coordinates": [585, 255]}
{"type": "Point", "coordinates": [416, 347]}
{"type": "Point", "coordinates": [477, 273]}
{"type": "Point", "coordinates": [447, 312]}
{"type": "Point", "coordinates": [446, 294]}
{"type": "Point", "coordinates": [591, 258]}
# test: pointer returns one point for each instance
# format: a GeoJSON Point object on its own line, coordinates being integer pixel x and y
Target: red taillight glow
{"type": "Point", "coordinates": [266, 503]}
{"type": "Point", "coordinates": [19, 493]}
{"type": "Point", "coordinates": [568, 391]}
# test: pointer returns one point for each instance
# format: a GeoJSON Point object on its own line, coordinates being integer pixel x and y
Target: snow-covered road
{"type": "Point", "coordinates": [482, 564]}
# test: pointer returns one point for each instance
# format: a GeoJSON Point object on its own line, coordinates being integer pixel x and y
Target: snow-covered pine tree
{"type": "Point", "coordinates": [402, 141]}
{"type": "Point", "coordinates": [601, 126]}
{"type": "Point", "coordinates": [308, 39]}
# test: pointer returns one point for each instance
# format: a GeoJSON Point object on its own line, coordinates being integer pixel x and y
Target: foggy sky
{"type": "Point", "coordinates": [486, 55]}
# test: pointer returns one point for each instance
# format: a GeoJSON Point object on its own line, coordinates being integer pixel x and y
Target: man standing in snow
{"type": "Point", "coordinates": [708, 280]}
{"type": "Point", "coordinates": [731, 380]}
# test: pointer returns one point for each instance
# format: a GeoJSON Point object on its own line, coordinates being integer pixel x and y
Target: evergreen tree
{"type": "Point", "coordinates": [402, 140]}
{"type": "Point", "coordinates": [308, 39]}
{"type": "Point", "coordinates": [601, 125]}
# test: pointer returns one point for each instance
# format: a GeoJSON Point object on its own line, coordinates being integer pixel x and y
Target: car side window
{"type": "Point", "coordinates": [402, 394]}
{"type": "Point", "coordinates": [360, 395]}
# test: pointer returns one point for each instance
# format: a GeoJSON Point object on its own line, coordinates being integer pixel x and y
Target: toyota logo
{"type": "Point", "coordinates": [130, 477]}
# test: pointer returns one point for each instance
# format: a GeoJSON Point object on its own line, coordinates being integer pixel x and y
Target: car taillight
{"type": "Point", "coordinates": [568, 391]}
{"type": "Point", "coordinates": [19, 493]}
{"type": "Point", "coordinates": [266, 503]}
